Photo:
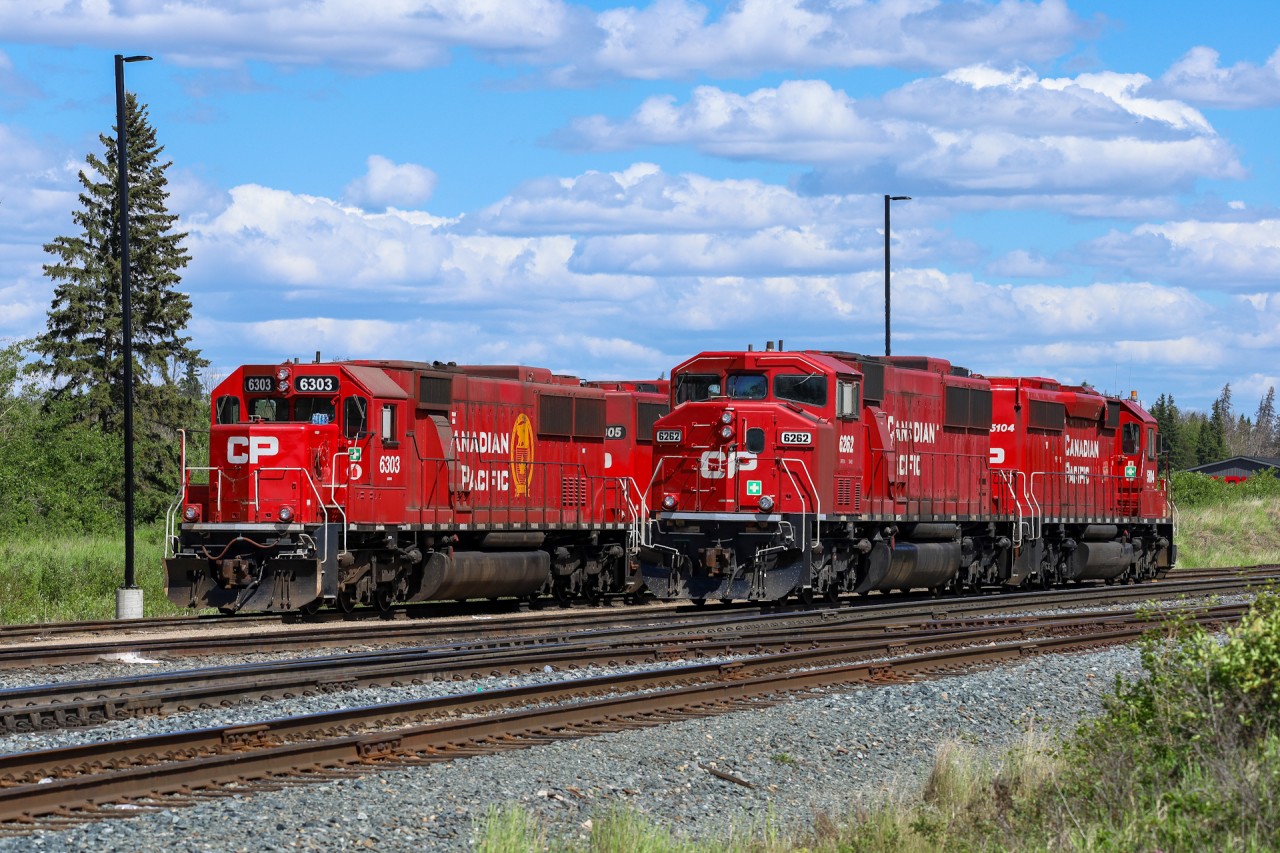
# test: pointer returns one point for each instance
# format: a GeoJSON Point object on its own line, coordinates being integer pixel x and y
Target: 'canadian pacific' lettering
{"type": "Point", "coordinates": [919, 432]}
{"type": "Point", "coordinates": [1082, 447]}
{"type": "Point", "coordinates": [481, 442]}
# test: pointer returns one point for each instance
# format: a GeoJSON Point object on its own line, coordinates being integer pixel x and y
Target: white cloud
{"type": "Point", "coordinates": [400, 35]}
{"type": "Point", "coordinates": [1219, 255]}
{"type": "Point", "coordinates": [645, 198]}
{"type": "Point", "coordinates": [1023, 264]}
{"type": "Point", "coordinates": [387, 184]}
{"type": "Point", "coordinates": [676, 37]}
{"type": "Point", "coordinates": [664, 38]}
{"type": "Point", "coordinates": [978, 129]}
{"type": "Point", "coordinates": [1197, 77]}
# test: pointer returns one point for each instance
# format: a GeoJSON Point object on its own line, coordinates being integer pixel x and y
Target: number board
{"type": "Point", "coordinates": [797, 438]}
{"type": "Point", "coordinates": [316, 384]}
{"type": "Point", "coordinates": [259, 384]}
{"type": "Point", "coordinates": [615, 432]}
{"type": "Point", "coordinates": [668, 436]}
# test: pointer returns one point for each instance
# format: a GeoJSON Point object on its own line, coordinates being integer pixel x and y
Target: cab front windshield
{"type": "Point", "coordinates": [303, 410]}
{"type": "Point", "coordinates": [693, 387]}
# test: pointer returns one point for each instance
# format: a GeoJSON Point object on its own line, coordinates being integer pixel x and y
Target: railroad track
{"type": "Point", "coordinates": [52, 788]}
{"type": "Point", "coordinates": [54, 706]}
{"type": "Point", "coordinates": [556, 626]}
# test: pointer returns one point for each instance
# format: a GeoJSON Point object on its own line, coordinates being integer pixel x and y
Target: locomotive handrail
{"type": "Point", "coordinates": [319, 500]}
{"type": "Point", "coordinates": [813, 491]}
{"type": "Point", "coordinates": [650, 523]}
{"type": "Point", "coordinates": [1009, 477]}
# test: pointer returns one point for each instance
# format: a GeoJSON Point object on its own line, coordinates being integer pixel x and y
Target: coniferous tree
{"type": "Point", "coordinates": [82, 349]}
{"type": "Point", "coordinates": [1213, 441]}
{"type": "Point", "coordinates": [1264, 425]}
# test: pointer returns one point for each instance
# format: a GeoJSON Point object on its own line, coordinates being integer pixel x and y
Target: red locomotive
{"type": "Point", "coordinates": [381, 481]}
{"type": "Point", "coordinates": [822, 473]}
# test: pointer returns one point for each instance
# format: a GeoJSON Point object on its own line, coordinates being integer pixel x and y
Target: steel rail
{"type": "Point", "coordinates": [45, 654]}
{"type": "Point", "coordinates": [61, 781]}
{"type": "Point", "coordinates": [55, 706]}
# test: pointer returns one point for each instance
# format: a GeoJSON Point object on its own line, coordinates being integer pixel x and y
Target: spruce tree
{"type": "Point", "coordinates": [1264, 425]}
{"type": "Point", "coordinates": [82, 348]}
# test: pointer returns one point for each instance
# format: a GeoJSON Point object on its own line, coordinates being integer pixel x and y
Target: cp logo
{"type": "Point", "coordinates": [716, 464]}
{"type": "Point", "coordinates": [242, 449]}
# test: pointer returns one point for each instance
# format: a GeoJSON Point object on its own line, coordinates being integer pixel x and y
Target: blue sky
{"type": "Point", "coordinates": [605, 189]}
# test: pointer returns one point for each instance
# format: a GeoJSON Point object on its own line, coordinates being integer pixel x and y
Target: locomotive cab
{"type": "Point", "coordinates": [736, 470]}
{"type": "Point", "coordinates": [296, 453]}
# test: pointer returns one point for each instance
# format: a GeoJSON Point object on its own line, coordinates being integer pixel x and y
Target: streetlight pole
{"type": "Point", "coordinates": [887, 199]}
{"type": "Point", "coordinates": [129, 596]}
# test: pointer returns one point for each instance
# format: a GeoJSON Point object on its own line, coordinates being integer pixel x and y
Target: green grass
{"type": "Point", "coordinates": [46, 578]}
{"type": "Point", "coordinates": [1243, 532]}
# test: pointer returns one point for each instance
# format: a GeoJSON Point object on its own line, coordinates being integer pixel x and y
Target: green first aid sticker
{"type": "Point", "coordinates": [753, 488]}
{"type": "Point", "coordinates": [1131, 470]}
{"type": "Point", "coordinates": [354, 453]}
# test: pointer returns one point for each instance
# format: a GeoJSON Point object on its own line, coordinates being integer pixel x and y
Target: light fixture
{"type": "Point", "coordinates": [286, 514]}
{"type": "Point", "coordinates": [726, 417]}
{"type": "Point", "coordinates": [766, 503]}
{"type": "Point", "coordinates": [191, 513]}
{"type": "Point", "coordinates": [726, 432]}
{"type": "Point", "coordinates": [669, 502]}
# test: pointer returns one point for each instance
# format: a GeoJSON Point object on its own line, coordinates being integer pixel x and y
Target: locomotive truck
{"type": "Point", "coordinates": [372, 482]}
{"type": "Point", "coordinates": [819, 473]}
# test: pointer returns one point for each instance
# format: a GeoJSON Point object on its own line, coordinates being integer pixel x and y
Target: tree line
{"type": "Point", "coordinates": [1194, 438]}
{"type": "Point", "coordinates": [62, 393]}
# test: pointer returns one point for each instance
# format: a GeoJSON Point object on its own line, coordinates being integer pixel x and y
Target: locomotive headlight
{"type": "Point", "coordinates": [191, 513]}
{"type": "Point", "coordinates": [726, 432]}
{"type": "Point", "coordinates": [766, 503]}
{"type": "Point", "coordinates": [726, 417]}
{"type": "Point", "coordinates": [286, 514]}
{"type": "Point", "coordinates": [669, 502]}
{"type": "Point", "coordinates": [282, 373]}
{"type": "Point", "coordinates": [282, 386]}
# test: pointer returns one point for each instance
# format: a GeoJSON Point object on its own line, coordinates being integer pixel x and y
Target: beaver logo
{"type": "Point", "coordinates": [522, 454]}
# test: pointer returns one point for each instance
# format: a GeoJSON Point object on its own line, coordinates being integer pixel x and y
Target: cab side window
{"type": "Point", "coordinates": [1151, 442]}
{"type": "Point", "coordinates": [228, 410]}
{"type": "Point", "coordinates": [389, 424]}
{"type": "Point", "coordinates": [355, 417]}
{"type": "Point", "coordinates": [1129, 438]}
{"type": "Point", "coordinates": [847, 400]}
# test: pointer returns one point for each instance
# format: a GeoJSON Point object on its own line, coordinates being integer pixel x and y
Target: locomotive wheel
{"type": "Point", "coordinates": [698, 602]}
{"type": "Point", "coordinates": [311, 609]}
{"type": "Point", "coordinates": [805, 596]}
{"type": "Point", "coordinates": [832, 595]}
{"type": "Point", "coordinates": [383, 599]}
{"type": "Point", "coordinates": [346, 600]}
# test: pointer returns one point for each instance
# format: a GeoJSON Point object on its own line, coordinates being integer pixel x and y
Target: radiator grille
{"type": "Point", "coordinates": [573, 491]}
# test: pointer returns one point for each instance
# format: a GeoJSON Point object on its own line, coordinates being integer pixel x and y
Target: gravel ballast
{"type": "Point", "coordinates": [800, 758]}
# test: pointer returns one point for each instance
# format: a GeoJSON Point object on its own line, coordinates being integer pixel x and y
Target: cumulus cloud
{"type": "Point", "coordinates": [678, 37]}
{"type": "Point", "coordinates": [387, 184]}
{"type": "Point", "coordinates": [411, 34]}
{"type": "Point", "coordinates": [572, 41]}
{"type": "Point", "coordinates": [977, 129]}
{"type": "Point", "coordinates": [1199, 78]}
{"type": "Point", "coordinates": [1222, 255]}
{"type": "Point", "coordinates": [1023, 264]}
{"type": "Point", "coordinates": [643, 197]}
